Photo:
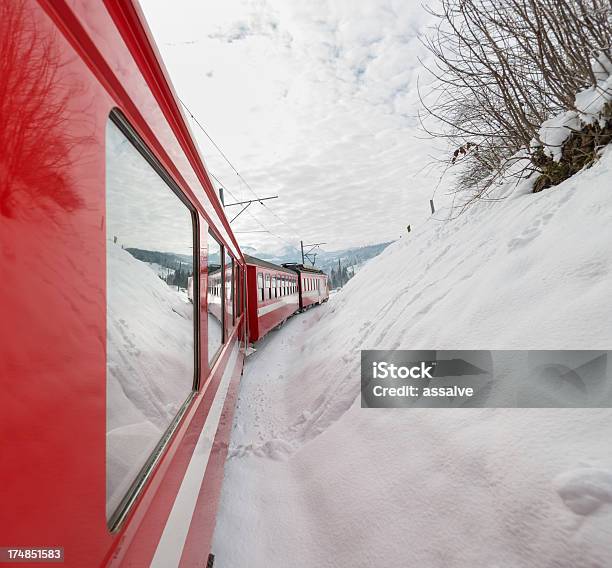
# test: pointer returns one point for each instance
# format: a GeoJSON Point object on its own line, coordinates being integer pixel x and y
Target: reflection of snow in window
{"type": "Point", "coordinates": [150, 319]}
{"type": "Point", "coordinates": [215, 308]}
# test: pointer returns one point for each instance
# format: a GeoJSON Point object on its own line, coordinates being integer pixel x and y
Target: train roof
{"type": "Point", "coordinates": [265, 264]}
{"type": "Point", "coordinates": [302, 268]}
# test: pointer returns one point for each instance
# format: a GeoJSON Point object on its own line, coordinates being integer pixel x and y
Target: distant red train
{"type": "Point", "coordinates": [275, 293]}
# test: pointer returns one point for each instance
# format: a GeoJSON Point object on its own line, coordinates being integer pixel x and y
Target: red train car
{"type": "Point", "coordinates": [117, 391]}
{"type": "Point", "coordinates": [272, 296]}
{"type": "Point", "coordinates": [313, 285]}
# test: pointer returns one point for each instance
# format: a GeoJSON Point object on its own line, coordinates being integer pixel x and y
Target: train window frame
{"type": "Point", "coordinates": [117, 518]}
{"type": "Point", "coordinates": [234, 292]}
{"type": "Point", "coordinates": [228, 263]}
{"type": "Point", "coordinates": [260, 277]}
{"type": "Point", "coordinates": [236, 273]}
{"type": "Point", "coordinates": [219, 291]}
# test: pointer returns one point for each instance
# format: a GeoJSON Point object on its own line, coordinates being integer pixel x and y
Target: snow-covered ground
{"type": "Point", "coordinates": [312, 479]}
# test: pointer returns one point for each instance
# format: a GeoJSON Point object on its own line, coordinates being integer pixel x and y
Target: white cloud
{"type": "Point", "coordinates": [315, 101]}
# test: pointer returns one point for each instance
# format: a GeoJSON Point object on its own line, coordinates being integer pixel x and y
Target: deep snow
{"type": "Point", "coordinates": [312, 479]}
{"type": "Point", "coordinates": [150, 364]}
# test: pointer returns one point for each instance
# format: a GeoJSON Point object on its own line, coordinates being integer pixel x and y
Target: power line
{"type": "Point", "coordinates": [209, 137]}
{"type": "Point", "coordinates": [264, 229]}
{"type": "Point", "coordinates": [240, 177]}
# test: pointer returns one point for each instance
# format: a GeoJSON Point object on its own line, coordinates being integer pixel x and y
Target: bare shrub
{"type": "Point", "coordinates": [501, 68]}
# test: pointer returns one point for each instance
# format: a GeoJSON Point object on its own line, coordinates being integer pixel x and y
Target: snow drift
{"type": "Point", "coordinates": [149, 364]}
{"type": "Point", "coordinates": [315, 480]}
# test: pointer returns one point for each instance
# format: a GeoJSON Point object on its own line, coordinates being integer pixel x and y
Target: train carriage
{"type": "Point", "coordinates": [272, 296]}
{"type": "Point", "coordinates": [117, 390]}
{"type": "Point", "coordinates": [313, 285]}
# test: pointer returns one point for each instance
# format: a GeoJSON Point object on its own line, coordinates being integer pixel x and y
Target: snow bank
{"type": "Point", "coordinates": [149, 364]}
{"type": "Point", "coordinates": [315, 480]}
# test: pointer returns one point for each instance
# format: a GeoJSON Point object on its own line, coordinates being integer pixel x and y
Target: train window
{"type": "Point", "coordinates": [214, 304]}
{"type": "Point", "coordinates": [260, 286]}
{"type": "Point", "coordinates": [150, 321]}
{"type": "Point", "coordinates": [229, 288]}
{"type": "Point", "coordinates": [237, 290]}
{"type": "Point", "coordinates": [274, 286]}
{"type": "Point", "coordinates": [269, 286]}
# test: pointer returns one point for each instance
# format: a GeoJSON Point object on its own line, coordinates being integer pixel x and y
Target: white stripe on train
{"type": "Point", "coordinates": [171, 544]}
{"type": "Point", "coordinates": [279, 304]}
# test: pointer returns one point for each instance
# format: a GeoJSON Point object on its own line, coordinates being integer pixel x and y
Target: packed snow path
{"type": "Point", "coordinates": [312, 479]}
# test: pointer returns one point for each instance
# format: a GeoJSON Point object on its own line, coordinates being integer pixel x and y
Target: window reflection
{"type": "Point", "coordinates": [215, 309]}
{"type": "Point", "coordinates": [229, 289]}
{"type": "Point", "coordinates": [150, 319]}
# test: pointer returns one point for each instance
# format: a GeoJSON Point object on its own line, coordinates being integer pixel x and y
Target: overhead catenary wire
{"type": "Point", "coordinates": [241, 178]}
{"type": "Point", "coordinates": [264, 229]}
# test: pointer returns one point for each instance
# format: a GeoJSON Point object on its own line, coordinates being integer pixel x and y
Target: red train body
{"type": "Point", "coordinates": [91, 132]}
{"type": "Point", "coordinates": [313, 285]}
{"type": "Point", "coordinates": [276, 292]}
{"type": "Point", "coordinates": [273, 296]}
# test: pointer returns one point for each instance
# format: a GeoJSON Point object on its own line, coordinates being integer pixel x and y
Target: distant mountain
{"type": "Point", "coordinates": [167, 259]}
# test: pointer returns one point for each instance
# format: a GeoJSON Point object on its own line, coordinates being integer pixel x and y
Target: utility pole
{"type": "Point", "coordinates": [431, 204]}
{"type": "Point", "coordinates": [248, 202]}
{"type": "Point", "coordinates": [310, 254]}
{"type": "Point", "coordinates": [221, 196]}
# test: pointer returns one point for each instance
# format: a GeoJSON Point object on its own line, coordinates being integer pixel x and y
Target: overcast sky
{"type": "Point", "coordinates": [314, 101]}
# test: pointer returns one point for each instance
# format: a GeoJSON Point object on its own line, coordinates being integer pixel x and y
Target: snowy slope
{"type": "Point", "coordinates": [314, 480]}
{"type": "Point", "coordinates": [149, 364]}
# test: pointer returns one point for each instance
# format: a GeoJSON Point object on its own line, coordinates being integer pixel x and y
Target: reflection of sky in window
{"type": "Point", "coordinates": [143, 212]}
